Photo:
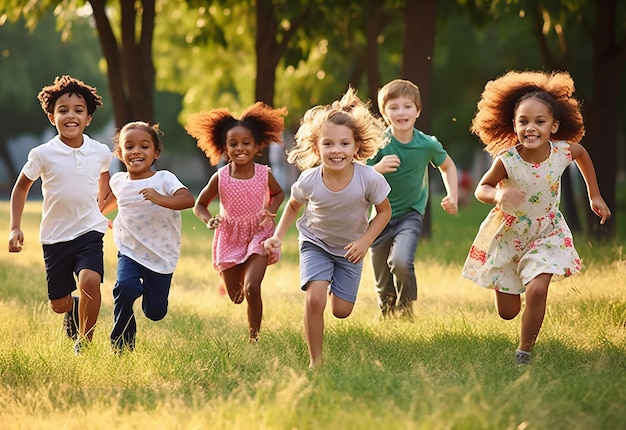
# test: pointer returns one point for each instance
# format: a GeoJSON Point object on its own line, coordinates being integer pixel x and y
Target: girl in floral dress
{"type": "Point", "coordinates": [249, 198]}
{"type": "Point", "coordinates": [524, 241]}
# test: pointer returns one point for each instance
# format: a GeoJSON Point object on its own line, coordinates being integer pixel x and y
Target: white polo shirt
{"type": "Point", "coordinates": [69, 182]}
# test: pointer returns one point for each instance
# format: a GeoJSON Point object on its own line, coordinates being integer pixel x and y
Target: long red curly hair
{"type": "Point", "coordinates": [209, 128]}
{"type": "Point", "coordinates": [493, 122]}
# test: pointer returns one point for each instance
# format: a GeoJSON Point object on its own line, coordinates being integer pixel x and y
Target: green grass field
{"type": "Point", "coordinates": [451, 368]}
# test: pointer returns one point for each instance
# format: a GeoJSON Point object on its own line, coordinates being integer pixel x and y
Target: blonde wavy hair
{"type": "Point", "coordinates": [349, 111]}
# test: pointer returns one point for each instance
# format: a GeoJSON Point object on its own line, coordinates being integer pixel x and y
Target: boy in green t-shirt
{"type": "Point", "coordinates": [404, 163]}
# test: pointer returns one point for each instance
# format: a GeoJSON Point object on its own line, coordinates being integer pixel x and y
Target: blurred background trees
{"type": "Point", "coordinates": [161, 60]}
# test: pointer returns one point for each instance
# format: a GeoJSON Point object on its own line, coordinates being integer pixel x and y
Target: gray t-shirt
{"type": "Point", "coordinates": [332, 219]}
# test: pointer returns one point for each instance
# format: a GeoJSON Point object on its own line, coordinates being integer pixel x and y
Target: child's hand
{"type": "Point", "coordinates": [150, 194]}
{"type": "Point", "coordinates": [509, 197]}
{"type": "Point", "coordinates": [600, 208]}
{"type": "Point", "coordinates": [267, 216]}
{"type": "Point", "coordinates": [387, 164]}
{"type": "Point", "coordinates": [16, 240]}
{"type": "Point", "coordinates": [355, 251]}
{"type": "Point", "coordinates": [214, 222]}
{"type": "Point", "coordinates": [450, 205]}
{"type": "Point", "coordinates": [272, 244]}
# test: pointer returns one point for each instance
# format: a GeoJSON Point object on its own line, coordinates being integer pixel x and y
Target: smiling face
{"type": "Point", "coordinates": [240, 145]}
{"type": "Point", "coordinates": [401, 113]}
{"type": "Point", "coordinates": [534, 123]}
{"type": "Point", "coordinates": [336, 146]}
{"type": "Point", "coordinates": [70, 117]}
{"type": "Point", "coordinates": [138, 152]}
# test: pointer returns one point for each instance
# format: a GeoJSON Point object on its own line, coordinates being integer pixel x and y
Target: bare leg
{"type": "Point", "coordinates": [508, 305]}
{"type": "Point", "coordinates": [89, 302]}
{"type": "Point", "coordinates": [315, 303]}
{"type": "Point", "coordinates": [62, 305]}
{"type": "Point", "coordinates": [253, 277]}
{"type": "Point", "coordinates": [340, 307]}
{"type": "Point", "coordinates": [535, 310]}
{"type": "Point", "coordinates": [233, 280]}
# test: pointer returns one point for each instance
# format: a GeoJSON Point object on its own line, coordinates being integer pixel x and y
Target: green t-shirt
{"type": "Point", "coordinates": [409, 184]}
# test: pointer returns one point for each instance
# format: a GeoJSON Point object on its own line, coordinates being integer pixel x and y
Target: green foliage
{"type": "Point", "coordinates": [30, 61]}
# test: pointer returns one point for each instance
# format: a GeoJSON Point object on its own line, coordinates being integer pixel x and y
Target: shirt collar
{"type": "Point", "coordinates": [83, 149]}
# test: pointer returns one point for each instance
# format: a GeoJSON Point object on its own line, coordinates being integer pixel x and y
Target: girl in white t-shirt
{"type": "Point", "coordinates": [146, 230]}
{"type": "Point", "coordinates": [337, 190]}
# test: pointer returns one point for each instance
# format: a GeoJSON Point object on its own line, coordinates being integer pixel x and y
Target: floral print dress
{"type": "Point", "coordinates": [514, 245]}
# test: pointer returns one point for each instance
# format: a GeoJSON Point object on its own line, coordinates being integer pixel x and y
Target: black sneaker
{"type": "Point", "coordinates": [70, 321]}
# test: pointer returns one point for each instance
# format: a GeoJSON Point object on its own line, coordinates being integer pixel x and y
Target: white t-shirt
{"type": "Point", "coordinates": [332, 219]}
{"type": "Point", "coordinates": [144, 231]}
{"type": "Point", "coordinates": [69, 183]}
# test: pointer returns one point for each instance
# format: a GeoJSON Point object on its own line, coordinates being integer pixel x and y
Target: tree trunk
{"type": "Point", "coordinates": [418, 41]}
{"type": "Point", "coordinates": [269, 52]}
{"type": "Point", "coordinates": [373, 28]}
{"type": "Point", "coordinates": [130, 67]}
{"type": "Point", "coordinates": [601, 118]}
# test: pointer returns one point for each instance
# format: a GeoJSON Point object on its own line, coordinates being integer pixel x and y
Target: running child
{"type": "Point", "coordinates": [531, 123]}
{"type": "Point", "coordinates": [337, 190]}
{"type": "Point", "coordinates": [74, 172]}
{"type": "Point", "coordinates": [146, 230]}
{"type": "Point", "coordinates": [404, 162]}
{"type": "Point", "coordinates": [249, 197]}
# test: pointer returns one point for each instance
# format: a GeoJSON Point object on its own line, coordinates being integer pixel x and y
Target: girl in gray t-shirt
{"type": "Point", "coordinates": [337, 191]}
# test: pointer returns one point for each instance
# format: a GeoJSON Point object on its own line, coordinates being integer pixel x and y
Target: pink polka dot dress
{"type": "Point", "coordinates": [244, 227]}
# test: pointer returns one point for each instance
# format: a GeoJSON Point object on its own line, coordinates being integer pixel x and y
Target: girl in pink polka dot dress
{"type": "Point", "coordinates": [249, 197]}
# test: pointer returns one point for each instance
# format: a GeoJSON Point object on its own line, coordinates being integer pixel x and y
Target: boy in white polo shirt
{"type": "Point", "coordinates": [74, 172]}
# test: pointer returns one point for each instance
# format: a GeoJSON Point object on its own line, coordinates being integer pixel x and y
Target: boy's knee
{"type": "Point", "coordinates": [62, 305]}
{"type": "Point", "coordinates": [401, 266]}
{"type": "Point", "coordinates": [89, 282]}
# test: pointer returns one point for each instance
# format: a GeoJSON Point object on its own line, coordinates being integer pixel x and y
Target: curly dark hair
{"type": "Point", "coordinates": [493, 122]}
{"type": "Point", "coordinates": [152, 129]}
{"type": "Point", "coordinates": [209, 128]}
{"type": "Point", "coordinates": [67, 84]}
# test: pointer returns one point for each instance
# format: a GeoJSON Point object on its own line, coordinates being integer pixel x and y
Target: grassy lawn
{"type": "Point", "coordinates": [450, 368]}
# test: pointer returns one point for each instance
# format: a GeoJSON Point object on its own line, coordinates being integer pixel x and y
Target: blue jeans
{"type": "Point", "coordinates": [133, 281]}
{"type": "Point", "coordinates": [392, 255]}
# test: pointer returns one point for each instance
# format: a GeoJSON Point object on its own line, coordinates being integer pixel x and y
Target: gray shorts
{"type": "Point", "coordinates": [318, 265]}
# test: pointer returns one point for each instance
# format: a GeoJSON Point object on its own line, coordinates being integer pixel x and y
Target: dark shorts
{"type": "Point", "coordinates": [65, 259]}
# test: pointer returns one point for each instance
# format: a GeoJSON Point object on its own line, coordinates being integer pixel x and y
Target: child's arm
{"type": "Point", "coordinates": [107, 202]}
{"type": "Point", "coordinates": [355, 251]}
{"type": "Point", "coordinates": [18, 200]}
{"type": "Point", "coordinates": [288, 217]}
{"type": "Point", "coordinates": [387, 164]}
{"type": "Point", "coordinates": [486, 191]}
{"type": "Point", "coordinates": [276, 198]}
{"type": "Point", "coordinates": [450, 203]}
{"type": "Point", "coordinates": [585, 165]}
{"type": "Point", "coordinates": [206, 196]}
{"type": "Point", "coordinates": [181, 199]}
